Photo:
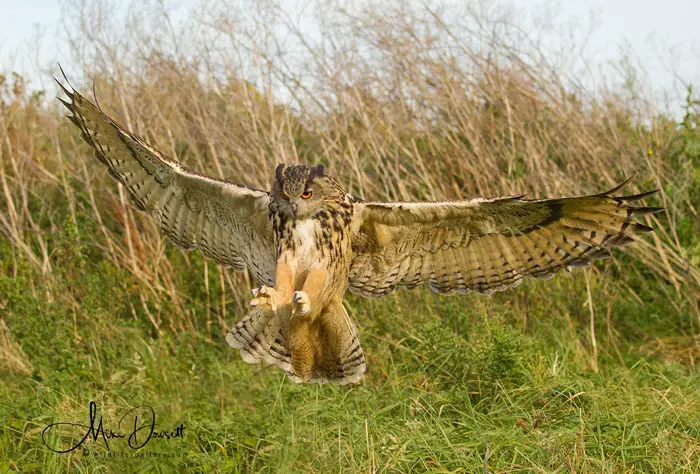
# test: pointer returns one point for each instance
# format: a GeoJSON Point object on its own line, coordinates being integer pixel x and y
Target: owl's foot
{"type": "Point", "coordinates": [266, 296]}
{"type": "Point", "coordinates": [300, 303]}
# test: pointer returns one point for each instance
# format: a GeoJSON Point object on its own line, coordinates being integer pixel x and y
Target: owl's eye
{"type": "Point", "coordinates": [284, 196]}
{"type": "Point", "coordinates": [306, 195]}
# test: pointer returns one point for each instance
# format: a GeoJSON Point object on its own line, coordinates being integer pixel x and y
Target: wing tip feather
{"type": "Point", "coordinates": [637, 197]}
{"type": "Point", "coordinates": [644, 211]}
{"type": "Point", "coordinates": [617, 188]}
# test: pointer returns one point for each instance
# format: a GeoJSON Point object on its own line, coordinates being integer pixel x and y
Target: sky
{"type": "Point", "coordinates": [20, 21]}
{"type": "Point", "coordinates": [664, 34]}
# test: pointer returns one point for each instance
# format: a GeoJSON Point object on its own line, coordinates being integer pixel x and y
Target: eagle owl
{"type": "Point", "coordinates": [307, 241]}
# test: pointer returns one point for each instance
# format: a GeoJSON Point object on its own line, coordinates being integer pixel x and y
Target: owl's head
{"type": "Point", "coordinates": [301, 191]}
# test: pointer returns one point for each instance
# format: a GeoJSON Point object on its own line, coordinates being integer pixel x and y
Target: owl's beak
{"type": "Point", "coordinates": [294, 208]}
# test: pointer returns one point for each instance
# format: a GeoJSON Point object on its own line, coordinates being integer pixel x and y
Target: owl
{"type": "Point", "coordinates": [307, 241]}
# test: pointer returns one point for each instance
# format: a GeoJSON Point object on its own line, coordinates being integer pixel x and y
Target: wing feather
{"type": "Point", "coordinates": [485, 245]}
{"type": "Point", "coordinates": [228, 222]}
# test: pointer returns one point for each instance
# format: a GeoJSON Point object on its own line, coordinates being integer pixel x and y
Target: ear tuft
{"type": "Point", "coordinates": [278, 172]}
{"type": "Point", "coordinates": [320, 169]}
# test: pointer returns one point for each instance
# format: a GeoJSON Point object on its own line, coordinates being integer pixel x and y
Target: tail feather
{"type": "Point", "coordinates": [351, 360]}
{"type": "Point", "coordinates": [260, 336]}
{"type": "Point", "coordinates": [340, 359]}
{"type": "Point", "coordinates": [263, 336]}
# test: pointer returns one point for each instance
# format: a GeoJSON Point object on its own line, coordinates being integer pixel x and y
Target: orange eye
{"type": "Point", "coordinates": [284, 196]}
{"type": "Point", "coordinates": [306, 195]}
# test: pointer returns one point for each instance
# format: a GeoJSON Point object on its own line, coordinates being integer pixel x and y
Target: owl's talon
{"type": "Point", "coordinates": [265, 296]}
{"type": "Point", "coordinates": [301, 303]}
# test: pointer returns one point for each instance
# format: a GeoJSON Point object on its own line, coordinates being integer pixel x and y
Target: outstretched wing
{"type": "Point", "coordinates": [485, 245]}
{"type": "Point", "coordinates": [228, 222]}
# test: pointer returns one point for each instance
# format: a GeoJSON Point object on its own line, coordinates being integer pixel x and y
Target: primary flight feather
{"type": "Point", "coordinates": [307, 241]}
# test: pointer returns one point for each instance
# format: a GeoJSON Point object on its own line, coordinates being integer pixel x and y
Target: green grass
{"type": "Point", "coordinates": [450, 379]}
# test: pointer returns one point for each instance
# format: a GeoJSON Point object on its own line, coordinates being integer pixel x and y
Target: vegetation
{"type": "Point", "coordinates": [594, 371]}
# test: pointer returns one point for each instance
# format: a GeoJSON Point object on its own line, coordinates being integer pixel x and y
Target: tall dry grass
{"type": "Point", "coordinates": [398, 102]}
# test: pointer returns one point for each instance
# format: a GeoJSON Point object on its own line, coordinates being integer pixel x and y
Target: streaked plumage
{"type": "Point", "coordinates": [307, 241]}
